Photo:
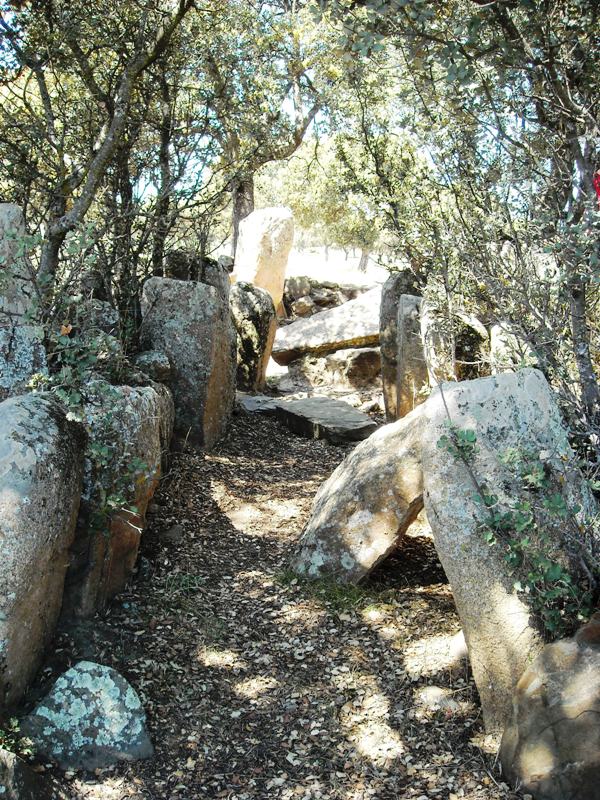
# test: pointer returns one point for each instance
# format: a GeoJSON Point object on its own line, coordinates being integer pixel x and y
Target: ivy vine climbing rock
{"type": "Point", "coordinates": [361, 513]}
{"type": "Point", "coordinates": [90, 719]}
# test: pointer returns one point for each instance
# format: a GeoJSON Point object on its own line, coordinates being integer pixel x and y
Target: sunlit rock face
{"type": "Point", "coordinates": [254, 318]}
{"type": "Point", "coordinates": [41, 472]}
{"type": "Point", "coordinates": [411, 374]}
{"type": "Point", "coordinates": [362, 511]}
{"type": "Point", "coordinates": [265, 240]}
{"type": "Point", "coordinates": [353, 324]}
{"type": "Point", "coordinates": [191, 324]}
{"type": "Point", "coordinates": [90, 719]}
{"type": "Point", "coordinates": [551, 747]}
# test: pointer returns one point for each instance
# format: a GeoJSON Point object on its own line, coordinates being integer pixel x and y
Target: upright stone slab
{"type": "Point", "coordinates": [456, 348]}
{"type": "Point", "coordinates": [41, 471]}
{"type": "Point", "coordinates": [254, 317]}
{"type": "Point", "coordinates": [411, 372]}
{"type": "Point", "coordinates": [22, 351]}
{"type": "Point", "coordinates": [508, 413]}
{"type": "Point", "coordinates": [135, 424]}
{"type": "Point", "coordinates": [353, 324]}
{"type": "Point", "coordinates": [191, 323]}
{"type": "Point", "coordinates": [264, 244]}
{"type": "Point", "coordinates": [396, 285]}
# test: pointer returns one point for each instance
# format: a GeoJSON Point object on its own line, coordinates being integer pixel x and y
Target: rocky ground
{"type": "Point", "coordinates": [258, 686]}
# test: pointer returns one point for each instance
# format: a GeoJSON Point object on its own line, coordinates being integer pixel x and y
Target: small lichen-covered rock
{"type": "Point", "coordinates": [264, 244]}
{"type": "Point", "coordinates": [155, 364]}
{"type": "Point", "coordinates": [191, 323]}
{"type": "Point", "coordinates": [19, 782]}
{"type": "Point", "coordinates": [362, 511]}
{"type": "Point", "coordinates": [398, 284]}
{"type": "Point", "coordinates": [254, 318]}
{"type": "Point", "coordinates": [353, 324]}
{"type": "Point", "coordinates": [41, 470]}
{"type": "Point", "coordinates": [134, 424]}
{"type": "Point", "coordinates": [91, 719]}
{"type": "Point", "coordinates": [551, 747]}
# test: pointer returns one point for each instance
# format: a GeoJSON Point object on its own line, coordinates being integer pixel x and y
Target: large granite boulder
{"type": "Point", "coordinates": [91, 719]}
{"type": "Point", "coordinates": [411, 369]}
{"type": "Point", "coordinates": [551, 747]}
{"type": "Point", "coordinates": [41, 471]}
{"type": "Point", "coordinates": [255, 320]}
{"type": "Point", "coordinates": [363, 509]}
{"type": "Point", "coordinates": [265, 240]}
{"type": "Point", "coordinates": [353, 324]}
{"type": "Point", "coordinates": [22, 352]}
{"type": "Point", "coordinates": [18, 781]}
{"type": "Point", "coordinates": [399, 283]}
{"type": "Point", "coordinates": [191, 323]}
{"type": "Point", "coordinates": [129, 433]}
{"type": "Point", "coordinates": [361, 512]}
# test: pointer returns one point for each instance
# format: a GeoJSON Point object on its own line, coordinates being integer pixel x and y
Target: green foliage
{"type": "Point", "coordinates": [519, 530]}
{"type": "Point", "coordinates": [11, 739]}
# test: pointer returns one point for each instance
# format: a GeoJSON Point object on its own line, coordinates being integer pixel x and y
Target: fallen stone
{"type": "Point", "coordinates": [398, 284]}
{"type": "Point", "coordinates": [361, 512]}
{"type": "Point", "coordinates": [255, 321]}
{"type": "Point", "coordinates": [551, 747]}
{"type": "Point", "coordinates": [411, 367]}
{"type": "Point", "coordinates": [353, 324]}
{"type": "Point", "coordinates": [19, 782]}
{"type": "Point", "coordinates": [257, 403]}
{"type": "Point", "coordinates": [191, 323]}
{"type": "Point", "coordinates": [265, 240]}
{"type": "Point", "coordinates": [41, 473]}
{"type": "Point", "coordinates": [325, 418]}
{"type": "Point", "coordinates": [91, 718]}
{"type": "Point", "coordinates": [154, 364]}
{"type": "Point", "coordinates": [304, 307]}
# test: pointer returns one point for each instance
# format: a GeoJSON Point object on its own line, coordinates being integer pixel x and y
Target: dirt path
{"type": "Point", "coordinates": [260, 687]}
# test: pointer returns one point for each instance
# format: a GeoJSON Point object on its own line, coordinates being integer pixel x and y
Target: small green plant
{"type": "Point", "coordinates": [520, 531]}
{"type": "Point", "coordinates": [11, 739]}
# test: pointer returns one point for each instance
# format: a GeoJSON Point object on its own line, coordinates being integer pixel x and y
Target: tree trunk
{"type": "Point", "coordinates": [364, 260]}
{"type": "Point", "coordinates": [164, 195]}
{"type": "Point", "coordinates": [243, 205]}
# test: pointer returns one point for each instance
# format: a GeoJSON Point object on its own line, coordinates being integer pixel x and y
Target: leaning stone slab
{"type": "Point", "coordinates": [135, 424]}
{"type": "Point", "coordinates": [19, 782]}
{"type": "Point", "coordinates": [264, 244]}
{"type": "Point", "coordinates": [353, 324]}
{"type": "Point", "coordinates": [411, 367]}
{"type": "Point", "coordinates": [255, 321]}
{"type": "Point", "coordinates": [361, 512]}
{"type": "Point", "coordinates": [91, 719]}
{"type": "Point", "coordinates": [41, 469]}
{"type": "Point", "coordinates": [325, 418]}
{"type": "Point", "coordinates": [191, 323]}
{"type": "Point", "coordinates": [551, 748]}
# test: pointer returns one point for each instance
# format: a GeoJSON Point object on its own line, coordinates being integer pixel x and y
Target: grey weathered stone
{"type": "Point", "coordinates": [136, 424]}
{"type": "Point", "coordinates": [551, 748]}
{"type": "Point", "coordinates": [22, 351]}
{"type": "Point", "coordinates": [41, 466]}
{"type": "Point", "coordinates": [254, 318]}
{"type": "Point", "coordinates": [397, 284]}
{"type": "Point", "coordinates": [91, 718]}
{"type": "Point", "coordinates": [226, 263]}
{"type": "Point", "coordinates": [265, 240]}
{"type": "Point", "coordinates": [455, 348]}
{"type": "Point", "coordinates": [296, 287]}
{"type": "Point", "coordinates": [100, 315]}
{"type": "Point", "coordinates": [304, 307]}
{"type": "Point", "coordinates": [411, 369]}
{"type": "Point", "coordinates": [191, 323]}
{"type": "Point", "coordinates": [353, 368]}
{"type": "Point", "coordinates": [155, 364]}
{"type": "Point", "coordinates": [361, 512]}
{"type": "Point", "coordinates": [325, 418]}
{"type": "Point", "coordinates": [257, 403]}
{"type": "Point", "coordinates": [19, 782]}
{"type": "Point", "coordinates": [353, 324]}
{"type": "Point", "coordinates": [509, 412]}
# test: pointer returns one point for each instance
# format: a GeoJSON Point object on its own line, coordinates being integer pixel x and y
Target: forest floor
{"type": "Point", "coordinates": [258, 685]}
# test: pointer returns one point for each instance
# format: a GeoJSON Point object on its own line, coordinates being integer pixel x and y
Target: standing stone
{"type": "Point", "coordinates": [412, 374]}
{"type": "Point", "coordinates": [22, 351]}
{"type": "Point", "coordinates": [254, 317]}
{"type": "Point", "coordinates": [508, 413]}
{"type": "Point", "coordinates": [135, 424]}
{"type": "Point", "coordinates": [265, 240]}
{"type": "Point", "coordinates": [91, 719]}
{"type": "Point", "coordinates": [551, 747]}
{"type": "Point", "coordinates": [456, 348]}
{"type": "Point", "coordinates": [41, 470]}
{"type": "Point", "coordinates": [396, 285]}
{"type": "Point", "coordinates": [191, 323]}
